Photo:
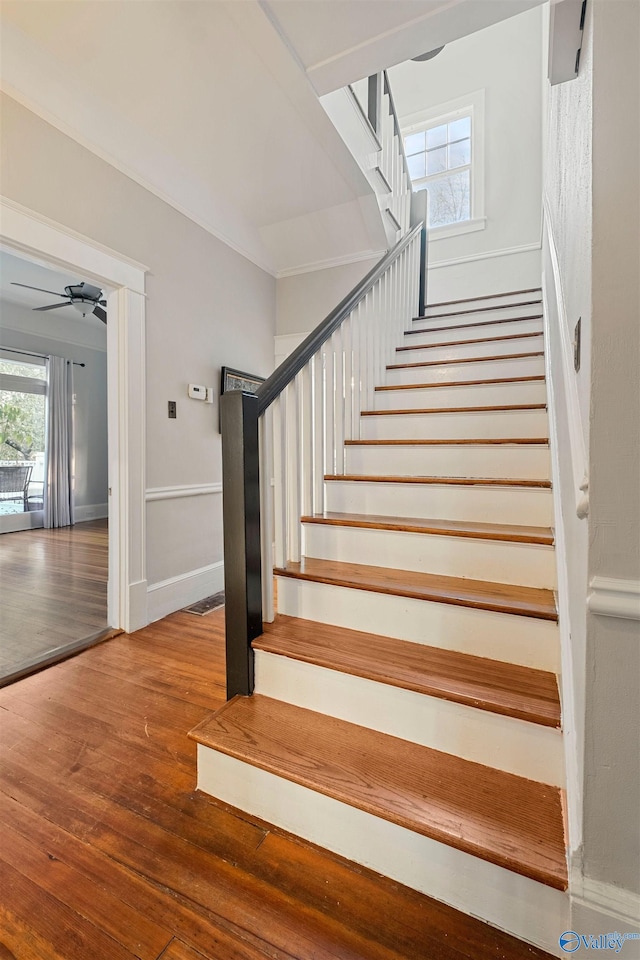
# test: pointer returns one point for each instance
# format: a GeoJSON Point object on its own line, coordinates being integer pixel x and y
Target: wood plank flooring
{"type": "Point", "coordinates": [108, 853]}
{"type": "Point", "coordinates": [53, 587]}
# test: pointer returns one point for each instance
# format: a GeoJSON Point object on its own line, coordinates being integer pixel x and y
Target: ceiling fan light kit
{"type": "Point", "coordinates": [83, 296]}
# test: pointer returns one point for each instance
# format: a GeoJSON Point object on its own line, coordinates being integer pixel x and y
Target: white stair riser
{"type": "Point", "coordinates": [455, 426]}
{"type": "Point", "coordinates": [515, 746]}
{"type": "Point", "coordinates": [476, 395]}
{"type": "Point", "coordinates": [463, 350]}
{"type": "Point", "coordinates": [531, 506]}
{"type": "Point", "coordinates": [499, 561]}
{"type": "Point", "coordinates": [483, 633]}
{"type": "Point", "coordinates": [471, 332]}
{"type": "Point", "coordinates": [485, 300]}
{"type": "Point", "coordinates": [513, 462]}
{"type": "Point", "coordinates": [474, 313]}
{"type": "Point", "coordinates": [480, 370]}
{"type": "Point", "coordinates": [529, 910]}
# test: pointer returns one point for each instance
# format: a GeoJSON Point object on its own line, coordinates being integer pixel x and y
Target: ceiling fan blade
{"type": "Point", "coordinates": [54, 293]}
{"type": "Point", "coordinates": [100, 314]}
{"type": "Point", "coordinates": [52, 306]}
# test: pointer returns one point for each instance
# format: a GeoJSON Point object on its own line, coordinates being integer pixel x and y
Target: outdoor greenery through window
{"type": "Point", "coordinates": [439, 159]}
{"type": "Point", "coordinates": [22, 436]}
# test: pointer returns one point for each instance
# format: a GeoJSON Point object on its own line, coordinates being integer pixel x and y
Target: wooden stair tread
{"type": "Point", "coordinates": [466, 441]}
{"type": "Point", "coordinates": [491, 685]}
{"type": "Point", "coordinates": [462, 313]}
{"type": "Point", "coordinates": [455, 481]}
{"type": "Point", "coordinates": [442, 363]}
{"type": "Point", "coordinates": [464, 343]}
{"type": "Point", "coordinates": [488, 296]}
{"type": "Point", "coordinates": [522, 601]}
{"type": "Point", "coordinates": [466, 326]}
{"type": "Point", "coordinates": [504, 819]}
{"type": "Point", "coordinates": [513, 533]}
{"type": "Point", "coordinates": [484, 409]}
{"type": "Point", "coordinates": [461, 383]}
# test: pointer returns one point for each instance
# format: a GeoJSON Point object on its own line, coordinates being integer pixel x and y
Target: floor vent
{"type": "Point", "coordinates": [203, 607]}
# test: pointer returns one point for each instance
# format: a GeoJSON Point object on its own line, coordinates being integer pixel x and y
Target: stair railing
{"type": "Point", "coordinates": [279, 444]}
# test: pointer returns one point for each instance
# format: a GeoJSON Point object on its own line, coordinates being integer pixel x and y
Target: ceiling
{"type": "Point", "coordinates": [340, 41]}
{"type": "Point", "coordinates": [212, 104]}
{"type": "Point", "coordinates": [64, 323]}
{"type": "Point", "coordinates": [201, 101]}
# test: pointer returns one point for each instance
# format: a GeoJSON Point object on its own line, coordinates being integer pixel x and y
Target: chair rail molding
{"type": "Point", "coordinates": [181, 490]}
{"type": "Point", "coordinates": [610, 597]}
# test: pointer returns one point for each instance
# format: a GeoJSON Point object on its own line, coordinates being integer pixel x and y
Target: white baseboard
{"type": "Point", "coordinates": [486, 255]}
{"type": "Point", "coordinates": [603, 908]}
{"type": "Point", "coordinates": [138, 606]}
{"type": "Point", "coordinates": [91, 511]}
{"type": "Point", "coordinates": [173, 594]}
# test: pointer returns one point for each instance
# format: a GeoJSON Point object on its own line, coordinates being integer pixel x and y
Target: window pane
{"type": "Point", "coordinates": [459, 153]}
{"type": "Point", "coordinates": [21, 446]}
{"type": "Point", "coordinates": [437, 136]}
{"type": "Point", "coordinates": [414, 143]}
{"type": "Point", "coordinates": [449, 199]}
{"type": "Point", "coordinates": [416, 166]}
{"type": "Point", "coordinates": [459, 129]}
{"type": "Point", "coordinates": [18, 369]}
{"type": "Point", "coordinates": [436, 160]}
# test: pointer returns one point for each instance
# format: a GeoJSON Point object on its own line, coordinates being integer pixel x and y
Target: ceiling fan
{"type": "Point", "coordinates": [83, 296]}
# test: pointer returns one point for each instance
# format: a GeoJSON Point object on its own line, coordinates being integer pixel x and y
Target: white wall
{"type": "Point", "coordinates": [504, 61]}
{"type": "Point", "coordinates": [207, 307]}
{"type": "Point", "coordinates": [45, 333]}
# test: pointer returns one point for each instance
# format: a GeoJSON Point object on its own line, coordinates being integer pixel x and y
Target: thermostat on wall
{"type": "Point", "coordinates": [197, 392]}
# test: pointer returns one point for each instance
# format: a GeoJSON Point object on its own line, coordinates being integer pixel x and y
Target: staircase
{"type": "Point", "coordinates": [406, 711]}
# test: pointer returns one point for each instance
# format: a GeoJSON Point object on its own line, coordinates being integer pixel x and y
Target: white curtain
{"type": "Point", "coordinates": [58, 493]}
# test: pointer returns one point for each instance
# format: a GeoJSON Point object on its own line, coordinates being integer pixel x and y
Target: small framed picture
{"type": "Point", "coordinates": [237, 380]}
{"type": "Point", "coordinates": [231, 379]}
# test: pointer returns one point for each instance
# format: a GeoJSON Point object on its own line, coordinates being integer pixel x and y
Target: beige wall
{"type": "Point", "coordinates": [207, 306]}
{"type": "Point", "coordinates": [612, 757]}
{"type": "Point", "coordinates": [305, 299]}
{"type": "Point", "coordinates": [592, 187]}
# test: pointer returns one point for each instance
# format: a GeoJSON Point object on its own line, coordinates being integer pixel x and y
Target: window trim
{"type": "Point", "coordinates": [472, 104]}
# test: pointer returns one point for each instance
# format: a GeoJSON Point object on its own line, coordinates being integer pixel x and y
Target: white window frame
{"type": "Point", "coordinates": [471, 105]}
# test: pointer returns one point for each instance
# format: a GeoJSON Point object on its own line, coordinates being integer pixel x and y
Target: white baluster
{"type": "Point", "coordinates": [305, 416]}
{"type": "Point", "coordinates": [317, 420]}
{"type": "Point", "coordinates": [328, 408]}
{"type": "Point", "coordinates": [338, 400]}
{"type": "Point", "coordinates": [265, 429]}
{"type": "Point", "coordinates": [293, 471]}
{"type": "Point", "coordinates": [279, 480]}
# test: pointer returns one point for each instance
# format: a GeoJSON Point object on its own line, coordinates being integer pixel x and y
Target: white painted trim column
{"type": "Point", "coordinates": [26, 232]}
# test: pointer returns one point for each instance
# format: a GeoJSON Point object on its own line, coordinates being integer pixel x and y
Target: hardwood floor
{"type": "Point", "coordinates": [53, 591]}
{"type": "Point", "coordinates": [108, 852]}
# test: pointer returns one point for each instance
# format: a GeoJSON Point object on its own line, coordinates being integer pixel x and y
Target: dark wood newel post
{"type": "Point", "coordinates": [241, 518]}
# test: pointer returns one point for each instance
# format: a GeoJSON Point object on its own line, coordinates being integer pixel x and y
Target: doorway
{"type": "Point", "coordinates": [47, 245]}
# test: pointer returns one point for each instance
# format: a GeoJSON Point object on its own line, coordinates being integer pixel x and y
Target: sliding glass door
{"type": "Point", "coordinates": [23, 389]}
